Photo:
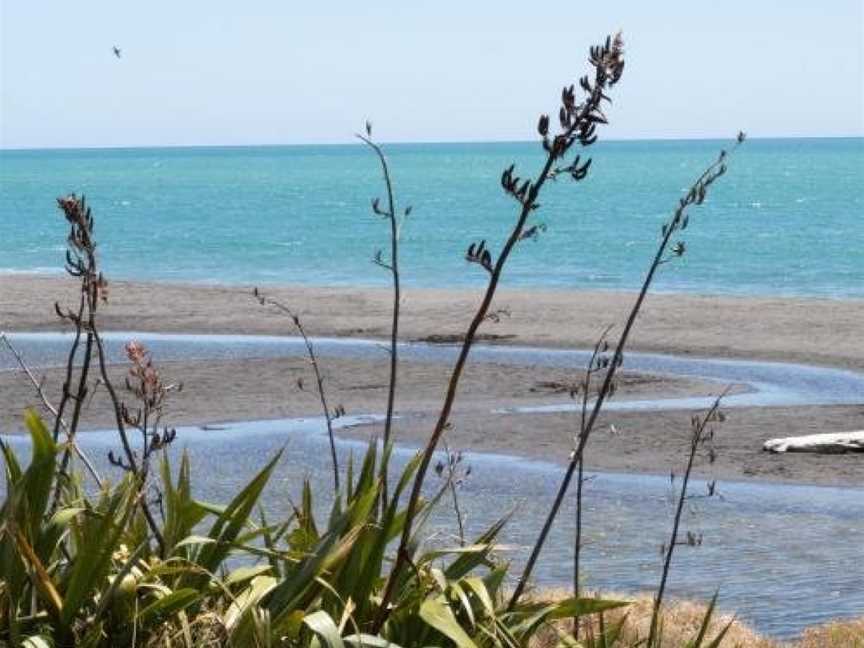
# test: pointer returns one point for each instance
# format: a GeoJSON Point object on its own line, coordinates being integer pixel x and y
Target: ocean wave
{"type": "Point", "coordinates": [40, 270]}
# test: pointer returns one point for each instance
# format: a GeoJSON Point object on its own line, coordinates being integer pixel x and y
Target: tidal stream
{"type": "Point", "coordinates": [782, 556]}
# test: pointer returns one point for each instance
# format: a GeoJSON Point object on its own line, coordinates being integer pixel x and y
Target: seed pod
{"type": "Point", "coordinates": [543, 125]}
{"type": "Point", "coordinates": [585, 167]}
{"type": "Point", "coordinates": [505, 177]}
{"type": "Point", "coordinates": [586, 86]}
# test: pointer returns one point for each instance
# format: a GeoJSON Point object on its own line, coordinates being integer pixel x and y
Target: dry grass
{"type": "Point", "coordinates": [837, 634]}
{"type": "Point", "coordinates": [682, 619]}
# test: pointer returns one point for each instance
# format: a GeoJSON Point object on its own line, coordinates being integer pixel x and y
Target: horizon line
{"type": "Point", "coordinates": [4, 149]}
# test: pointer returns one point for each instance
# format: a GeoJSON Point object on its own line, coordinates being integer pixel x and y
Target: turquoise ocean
{"type": "Point", "coordinates": [787, 219]}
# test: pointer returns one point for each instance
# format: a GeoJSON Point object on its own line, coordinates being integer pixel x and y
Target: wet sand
{"type": "Point", "coordinates": [221, 391]}
{"type": "Point", "coordinates": [811, 331]}
{"type": "Point", "coordinates": [821, 332]}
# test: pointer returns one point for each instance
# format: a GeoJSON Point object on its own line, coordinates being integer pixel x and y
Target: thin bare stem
{"type": "Point", "coordinates": [590, 369]}
{"type": "Point", "coordinates": [140, 472]}
{"type": "Point", "coordinates": [81, 264]}
{"type": "Point", "coordinates": [578, 124]}
{"type": "Point", "coordinates": [393, 266]}
{"type": "Point", "coordinates": [70, 363]}
{"type": "Point", "coordinates": [40, 391]}
{"type": "Point", "coordinates": [577, 541]}
{"type": "Point", "coordinates": [451, 480]}
{"type": "Point", "coordinates": [695, 441]}
{"type": "Point", "coordinates": [677, 222]}
{"type": "Point", "coordinates": [319, 379]}
{"type": "Point", "coordinates": [78, 399]}
{"type": "Point", "coordinates": [85, 267]}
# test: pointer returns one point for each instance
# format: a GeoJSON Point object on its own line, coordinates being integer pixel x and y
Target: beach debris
{"type": "Point", "coordinates": [496, 315]}
{"type": "Point", "coordinates": [831, 443]}
{"type": "Point", "coordinates": [455, 338]}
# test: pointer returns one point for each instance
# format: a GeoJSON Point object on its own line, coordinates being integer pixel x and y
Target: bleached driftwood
{"type": "Point", "coordinates": [834, 443]}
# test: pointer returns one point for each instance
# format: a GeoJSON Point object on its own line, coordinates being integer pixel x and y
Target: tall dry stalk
{"type": "Point", "coordinates": [699, 435]}
{"type": "Point", "coordinates": [595, 363]}
{"type": "Point", "coordinates": [578, 124]}
{"type": "Point", "coordinates": [676, 223]}
{"type": "Point", "coordinates": [319, 378]}
{"type": "Point", "coordinates": [455, 477]}
{"type": "Point", "coordinates": [39, 387]}
{"type": "Point", "coordinates": [81, 263]}
{"type": "Point", "coordinates": [145, 384]}
{"type": "Point", "coordinates": [391, 265]}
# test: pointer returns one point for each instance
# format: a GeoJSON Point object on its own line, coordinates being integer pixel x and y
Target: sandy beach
{"type": "Point", "coordinates": [818, 332]}
{"type": "Point", "coordinates": [811, 331]}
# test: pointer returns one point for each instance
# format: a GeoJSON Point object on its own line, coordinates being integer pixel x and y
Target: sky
{"type": "Point", "coordinates": [286, 72]}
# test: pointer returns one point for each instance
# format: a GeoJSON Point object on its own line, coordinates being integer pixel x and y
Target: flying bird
{"type": "Point", "coordinates": [116, 51]}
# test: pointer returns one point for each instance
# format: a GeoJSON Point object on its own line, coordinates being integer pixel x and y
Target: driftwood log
{"type": "Point", "coordinates": [834, 443]}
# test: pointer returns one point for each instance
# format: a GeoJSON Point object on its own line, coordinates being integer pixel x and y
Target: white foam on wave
{"type": "Point", "coordinates": [39, 270]}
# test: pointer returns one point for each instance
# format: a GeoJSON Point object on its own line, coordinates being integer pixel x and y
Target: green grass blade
{"type": "Point", "coordinates": [715, 643]}
{"type": "Point", "coordinates": [438, 615]}
{"type": "Point", "coordinates": [467, 561]}
{"type": "Point", "coordinates": [100, 535]}
{"type": "Point", "coordinates": [230, 522]}
{"type": "Point", "coordinates": [361, 640]}
{"type": "Point", "coordinates": [167, 606]}
{"type": "Point", "coordinates": [39, 476]}
{"type": "Point", "coordinates": [706, 621]}
{"type": "Point", "coordinates": [580, 606]}
{"type": "Point", "coordinates": [323, 625]}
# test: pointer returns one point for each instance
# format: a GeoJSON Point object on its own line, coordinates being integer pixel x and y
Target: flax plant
{"type": "Point", "coordinates": [83, 570]}
{"type": "Point", "coordinates": [396, 221]}
{"type": "Point", "coordinates": [578, 124]}
{"type": "Point", "coordinates": [700, 436]}
{"type": "Point", "coordinates": [596, 363]}
{"type": "Point", "coordinates": [81, 263]}
{"type": "Point", "coordinates": [666, 252]}
{"type": "Point", "coordinates": [329, 414]}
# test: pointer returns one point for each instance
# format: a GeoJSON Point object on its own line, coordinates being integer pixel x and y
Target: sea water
{"type": "Point", "coordinates": [787, 219]}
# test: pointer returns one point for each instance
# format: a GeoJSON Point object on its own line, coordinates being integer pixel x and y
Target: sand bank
{"type": "Point", "coordinates": [806, 331]}
{"type": "Point", "coordinates": [814, 331]}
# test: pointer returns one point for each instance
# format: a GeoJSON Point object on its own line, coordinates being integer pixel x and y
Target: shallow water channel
{"type": "Point", "coordinates": [782, 556]}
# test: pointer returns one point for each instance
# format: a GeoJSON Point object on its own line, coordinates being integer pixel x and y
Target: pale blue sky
{"type": "Point", "coordinates": [283, 72]}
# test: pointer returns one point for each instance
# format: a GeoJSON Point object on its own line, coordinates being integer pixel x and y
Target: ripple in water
{"type": "Point", "coordinates": [783, 557]}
